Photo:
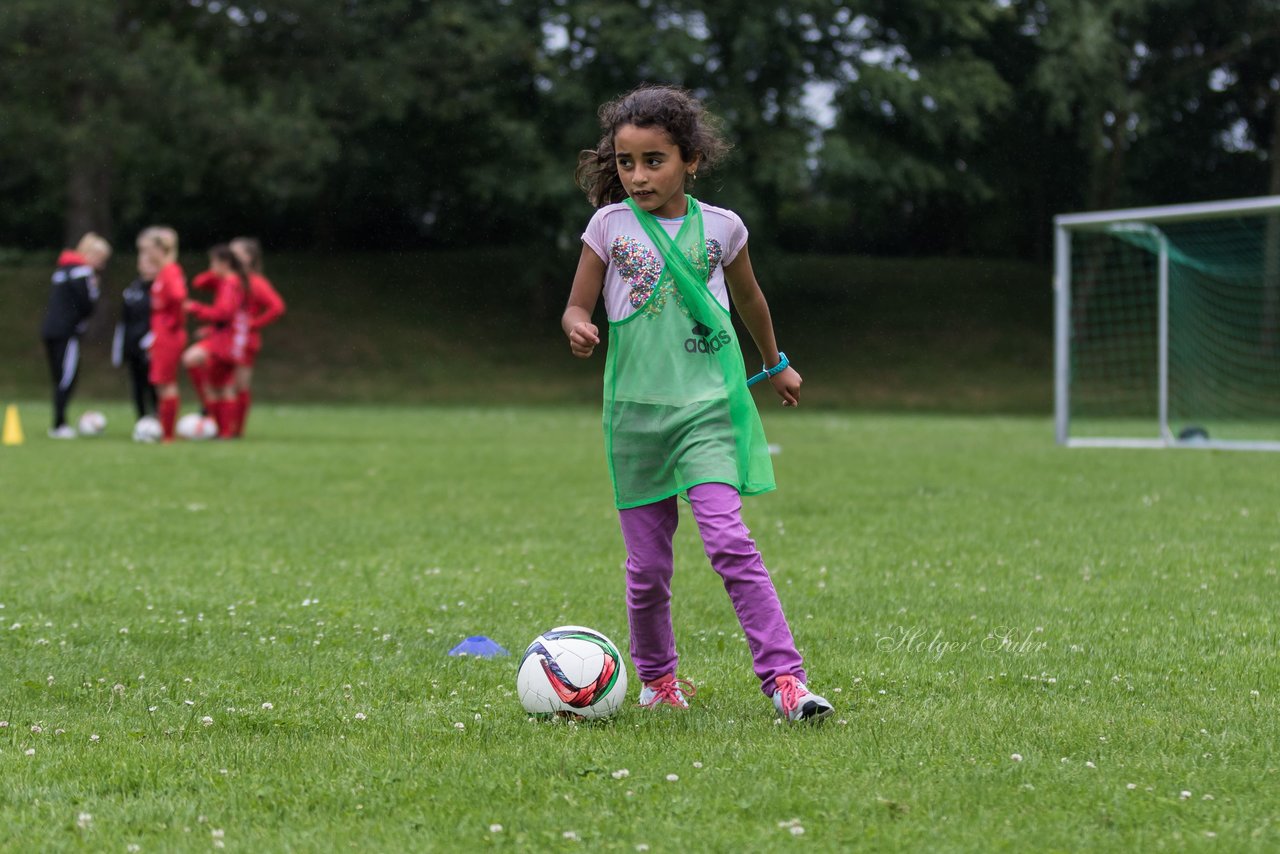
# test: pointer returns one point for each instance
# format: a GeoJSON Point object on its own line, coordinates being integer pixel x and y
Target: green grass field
{"type": "Point", "coordinates": [244, 644]}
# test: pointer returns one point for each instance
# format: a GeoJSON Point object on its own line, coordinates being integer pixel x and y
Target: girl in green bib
{"type": "Point", "coordinates": [678, 418]}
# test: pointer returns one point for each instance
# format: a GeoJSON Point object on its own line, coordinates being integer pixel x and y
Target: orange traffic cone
{"type": "Point", "coordinates": [12, 426]}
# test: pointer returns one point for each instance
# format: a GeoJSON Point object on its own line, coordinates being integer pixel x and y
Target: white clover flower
{"type": "Point", "coordinates": [671, 778]}
{"type": "Point", "coordinates": [459, 725]}
{"type": "Point", "coordinates": [84, 819]}
{"type": "Point", "coordinates": [360, 716]}
{"type": "Point", "coordinates": [1016, 757]}
{"type": "Point", "coordinates": [30, 751]}
{"type": "Point", "coordinates": [267, 706]}
{"type": "Point", "coordinates": [570, 835]}
{"type": "Point", "coordinates": [95, 737]}
{"type": "Point", "coordinates": [1131, 786]}
{"type": "Point", "coordinates": [1090, 765]}
{"type": "Point", "coordinates": [697, 765]}
{"type": "Point", "coordinates": [3, 724]}
{"type": "Point", "coordinates": [620, 774]}
{"type": "Point", "coordinates": [37, 729]}
{"type": "Point", "coordinates": [797, 830]}
{"type": "Point", "coordinates": [1185, 794]}
{"type": "Point", "coordinates": [206, 720]}
{"type": "Point", "coordinates": [495, 828]}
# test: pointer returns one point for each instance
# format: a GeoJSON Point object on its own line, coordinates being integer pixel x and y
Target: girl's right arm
{"type": "Point", "coordinates": [588, 281]}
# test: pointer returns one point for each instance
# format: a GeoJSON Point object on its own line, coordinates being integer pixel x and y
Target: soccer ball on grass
{"type": "Point", "coordinates": [196, 427]}
{"type": "Point", "coordinates": [92, 423]}
{"type": "Point", "coordinates": [572, 671]}
{"type": "Point", "coordinates": [147, 430]}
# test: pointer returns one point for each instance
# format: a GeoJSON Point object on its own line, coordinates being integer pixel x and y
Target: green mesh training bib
{"type": "Point", "coordinates": [677, 411]}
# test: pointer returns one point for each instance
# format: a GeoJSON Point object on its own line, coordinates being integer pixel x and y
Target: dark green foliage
{"type": "Point", "coordinates": [955, 126]}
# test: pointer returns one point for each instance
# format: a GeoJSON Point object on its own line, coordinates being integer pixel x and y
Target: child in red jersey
{"type": "Point", "coordinates": [198, 371]}
{"type": "Point", "coordinates": [222, 349]}
{"type": "Point", "coordinates": [168, 320]}
{"type": "Point", "coordinates": [265, 308]}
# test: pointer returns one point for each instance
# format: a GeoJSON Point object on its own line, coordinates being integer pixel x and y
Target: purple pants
{"type": "Point", "coordinates": [647, 532]}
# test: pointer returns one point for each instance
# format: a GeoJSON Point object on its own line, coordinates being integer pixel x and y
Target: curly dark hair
{"type": "Point", "coordinates": [696, 132]}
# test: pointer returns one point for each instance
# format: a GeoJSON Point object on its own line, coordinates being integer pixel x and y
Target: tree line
{"type": "Point", "coordinates": [911, 126]}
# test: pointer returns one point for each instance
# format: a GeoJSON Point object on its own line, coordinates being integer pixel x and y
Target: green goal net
{"type": "Point", "coordinates": [1168, 326]}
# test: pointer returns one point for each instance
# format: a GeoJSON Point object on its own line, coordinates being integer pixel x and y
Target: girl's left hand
{"type": "Point", "coordinates": [787, 384]}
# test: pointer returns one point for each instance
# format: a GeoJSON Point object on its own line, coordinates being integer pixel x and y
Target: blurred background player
{"type": "Point", "coordinates": [217, 355]}
{"type": "Point", "coordinates": [265, 308]}
{"type": "Point", "coordinates": [127, 346]}
{"type": "Point", "coordinates": [168, 335]}
{"type": "Point", "coordinates": [72, 295]}
{"type": "Point", "coordinates": [198, 369]}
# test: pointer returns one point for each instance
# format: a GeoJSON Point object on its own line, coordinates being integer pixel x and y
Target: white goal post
{"type": "Point", "coordinates": [1167, 326]}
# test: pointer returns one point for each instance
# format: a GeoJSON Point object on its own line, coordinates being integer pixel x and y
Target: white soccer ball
{"type": "Point", "coordinates": [92, 423]}
{"type": "Point", "coordinates": [147, 429]}
{"type": "Point", "coordinates": [574, 672]}
{"type": "Point", "coordinates": [196, 427]}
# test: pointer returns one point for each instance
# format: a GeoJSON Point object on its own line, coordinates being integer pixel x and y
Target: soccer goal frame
{"type": "Point", "coordinates": [1148, 221]}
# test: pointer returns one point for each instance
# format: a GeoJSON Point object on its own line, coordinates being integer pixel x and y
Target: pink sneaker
{"type": "Point", "coordinates": [667, 691]}
{"type": "Point", "coordinates": [795, 702]}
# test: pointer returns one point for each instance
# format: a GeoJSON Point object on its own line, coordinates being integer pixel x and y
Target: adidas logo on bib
{"type": "Point", "coordinates": [706, 340]}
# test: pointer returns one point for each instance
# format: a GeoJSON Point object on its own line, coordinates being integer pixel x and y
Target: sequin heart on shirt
{"type": "Point", "coordinates": [641, 269]}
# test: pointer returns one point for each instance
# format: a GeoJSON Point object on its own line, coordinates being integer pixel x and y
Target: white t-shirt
{"type": "Point", "coordinates": [633, 267]}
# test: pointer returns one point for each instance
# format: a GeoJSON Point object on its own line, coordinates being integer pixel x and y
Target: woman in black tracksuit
{"type": "Point", "coordinates": [73, 292]}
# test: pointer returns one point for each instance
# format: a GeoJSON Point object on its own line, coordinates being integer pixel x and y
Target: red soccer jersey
{"type": "Point", "coordinates": [265, 304]}
{"type": "Point", "coordinates": [265, 307]}
{"type": "Point", "coordinates": [228, 317]}
{"type": "Point", "coordinates": [168, 291]}
{"type": "Point", "coordinates": [206, 281]}
{"type": "Point", "coordinates": [227, 298]}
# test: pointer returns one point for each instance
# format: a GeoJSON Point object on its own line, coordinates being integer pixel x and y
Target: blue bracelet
{"type": "Point", "coordinates": [782, 365]}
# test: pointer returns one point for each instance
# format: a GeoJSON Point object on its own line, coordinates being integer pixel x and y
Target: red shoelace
{"type": "Point", "coordinates": [668, 690]}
